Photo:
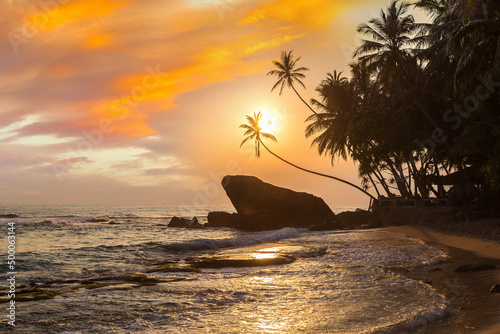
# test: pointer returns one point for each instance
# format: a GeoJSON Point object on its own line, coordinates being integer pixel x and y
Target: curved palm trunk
{"type": "Point", "coordinates": [320, 174]}
{"type": "Point", "coordinates": [300, 97]}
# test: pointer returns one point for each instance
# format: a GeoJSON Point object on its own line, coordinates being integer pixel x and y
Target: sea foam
{"type": "Point", "coordinates": [247, 240]}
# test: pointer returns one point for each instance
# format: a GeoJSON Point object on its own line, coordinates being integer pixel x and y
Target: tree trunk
{"type": "Point", "coordinates": [400, 180]}
{"type": "Point", "coordinates": [374, 185]}
{"type": "Point", "coordinates": [381, 179]}
{"type": "Point", "coordinates": [300, 97]}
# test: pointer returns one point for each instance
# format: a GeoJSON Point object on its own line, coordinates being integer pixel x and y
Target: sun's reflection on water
{"type": "Point", "coordinates": [267, 253]}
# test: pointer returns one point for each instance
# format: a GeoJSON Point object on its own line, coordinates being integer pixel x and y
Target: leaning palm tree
{"type": "Point", "coordinates": [288, 74]}
{"type": "Point", "coordinates": [254, 131]}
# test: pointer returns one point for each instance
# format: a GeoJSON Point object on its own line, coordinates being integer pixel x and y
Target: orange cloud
{"type": "Point", "coordinates": [213, 64]}
{"type": "Point", "coordinates": [271, 43]}
{"type": "Point", "coordinates": [216, 61]}
{"type": "Point", "coordinates": [59, 71]}
{"type": "Point", "coordinates": [97, 41]}
{"type": "Point", "coordinates": [312, 14]}
{"type": "Point", "coordinates": [121, 119]}
{"type": "Point", "coordinates": [52, 18]}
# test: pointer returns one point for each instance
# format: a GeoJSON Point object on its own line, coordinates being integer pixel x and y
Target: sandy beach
{"type": "Point", "coordinates": [476, 309]}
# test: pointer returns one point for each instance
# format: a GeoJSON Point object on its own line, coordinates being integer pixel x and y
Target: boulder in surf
{"type": "Point", "coordinates": [184, 223]}
{"type": "Point", "coordinates": [263, 206]}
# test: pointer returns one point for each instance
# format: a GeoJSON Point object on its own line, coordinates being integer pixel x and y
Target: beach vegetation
{"type": "Point", "coordinates": [420, 102]}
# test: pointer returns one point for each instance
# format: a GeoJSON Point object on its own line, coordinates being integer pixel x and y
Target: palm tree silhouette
{"type": "Point", "coordinates": [288, 74]}
{"type": "Point", "coordinates": [467, 32]}
{"type": "Point", "coordinates": [254, 131]}
{"type": "Point", "coordinates": [337, 112]}
{"type": "Point", "coordinates": [389, 52]}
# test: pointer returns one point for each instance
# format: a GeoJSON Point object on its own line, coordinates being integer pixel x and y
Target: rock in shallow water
{"type": "Point", "coordinates": [222, 219]}
{"type": "Point", "coordinates": [9, 215]}
{"type": "Point", "coordinates": [224, 262]}
{"type": "Point", "coordinates": [184, 223]}
{"type": "Point", "coordinates": [356, 219]}
{"type": "Point", "coordinates": [263, 206]}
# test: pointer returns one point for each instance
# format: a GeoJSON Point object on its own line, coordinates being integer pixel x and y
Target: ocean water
{"type": "Point", "coordinates": [79, 271]}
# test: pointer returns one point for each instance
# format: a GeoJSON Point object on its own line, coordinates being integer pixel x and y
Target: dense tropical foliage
{"type": "Point", "coordinates": [422, 100]}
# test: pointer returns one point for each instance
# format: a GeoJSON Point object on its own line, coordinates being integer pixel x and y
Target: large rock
{"type": "Point", "coordinates": [263, 206]}
{"type": "Point", "coordinates": [261, 222]}
{"type": "Point", "coordinates": [221, 219]}
{"type": "Point", "coordinates": [376, 222]}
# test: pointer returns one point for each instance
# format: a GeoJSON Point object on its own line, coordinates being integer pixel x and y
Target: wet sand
{"type": "Point", "coordinates": [476, 310]}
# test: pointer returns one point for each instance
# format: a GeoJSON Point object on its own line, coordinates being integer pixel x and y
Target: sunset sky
{"type": "Point", "coordinates": [140, 102]}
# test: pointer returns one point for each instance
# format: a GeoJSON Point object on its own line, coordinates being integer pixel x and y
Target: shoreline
{"type": "Point", "coordinates": [476, 310]}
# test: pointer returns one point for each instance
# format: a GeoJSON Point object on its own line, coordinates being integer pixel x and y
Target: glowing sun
{"type": "Point", "coordinates": [269, 122]}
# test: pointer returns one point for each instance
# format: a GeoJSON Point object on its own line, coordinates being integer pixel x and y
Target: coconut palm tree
{"type": "Point", "coordinates": [388, 52]}
{"type": "Point", "coordinates": [467, 32]}
{"type": "Point", "coordinates": [391, 40]}
{"type": "Point", "coordinates": [340, 107]}
{"type": "Point", "coordinates": [337, 112]}
{"type": "Point", "coordinates": [288, 74]}
{"type": "Point", "coordinates": [254, 131]}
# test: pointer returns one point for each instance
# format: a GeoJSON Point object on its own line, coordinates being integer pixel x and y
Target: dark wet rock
{"type": "Point", "coordinates": [100, 285]}
{"type": "Point", "coordinates": [127, 277]}
{"type": "Point", "coordinates": [35, 293]}
{"type": "Point", "coordinates": [178, 222]}
{"type": "Point", "coordinates": [184, 223]}
{"type": "Point", "coordinates": [138, 278]}
{"type": "Point", "coordinates": [376, 222]}
{"type": "Point", "coordinates": [495, 288]}
{"type": "Point", "coordinates": [355, 220]}
{"type": "Point", "coordinates": [208, 292]}
{"type": "Point", "coordinates": [102, 219]}
{"type": "Point", "coordinates": [222, 219]}
{"type": "Point", "coordinates": [263, 206]}
{"type": "Point", "coordinates": [46, 221]}
{"type": "Point", "coordinates": [473, 267]}
{"type": "Point", "coordinates": [260, 222]}
{"type": "Point", "coordinates": [224, 262]}
{"type": "Point", "coordinates": [172, 267]}
{"type": "Point", "coordinates": [326, 225]}
{"type": "Point", "coordinates": [9, 215]}
{"type": "Point", "coordinates": [69, 281]}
